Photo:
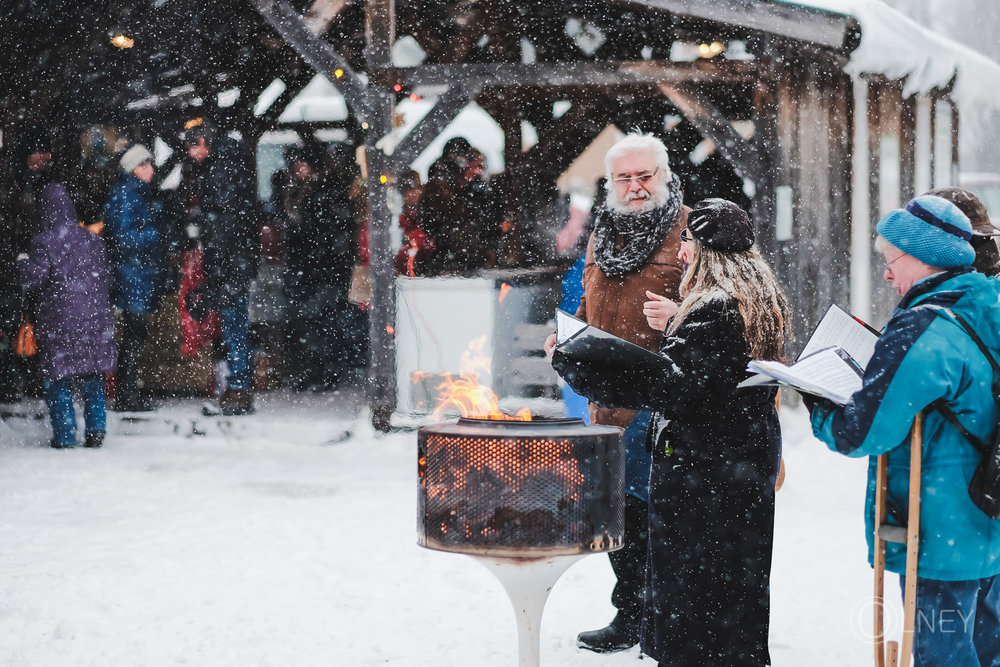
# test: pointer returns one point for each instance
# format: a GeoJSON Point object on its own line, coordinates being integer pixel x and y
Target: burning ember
{"type": "Point", "coordinates": [466, 394]}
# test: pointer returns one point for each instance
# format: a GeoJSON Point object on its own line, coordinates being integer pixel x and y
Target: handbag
{"type": "Point", "coordinates": [360, 292]}
{"type": "Point", "coordinates": [26, 345]}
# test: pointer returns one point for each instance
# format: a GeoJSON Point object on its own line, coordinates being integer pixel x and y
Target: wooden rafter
{"type": "Point", "coordinates": [448, 106]}
{"type": "Point", "coordinates": [320, 55]}
{"type": "Point", "coordinates": [711, 123]}
{"type": "Point", "coordinates": [581, 73]}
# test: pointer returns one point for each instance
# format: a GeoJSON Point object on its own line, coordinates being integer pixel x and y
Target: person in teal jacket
{"type": "Point", "coordinates": [925, 357]}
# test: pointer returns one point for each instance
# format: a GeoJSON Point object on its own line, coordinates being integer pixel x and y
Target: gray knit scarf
{"type": "Point", "coordinates": [642, 233]}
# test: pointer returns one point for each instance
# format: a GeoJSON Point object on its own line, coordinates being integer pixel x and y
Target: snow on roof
{"type": "Point", "coordinates": [900, 48]}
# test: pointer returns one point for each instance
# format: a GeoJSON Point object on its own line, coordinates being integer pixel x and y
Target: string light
{"type": "Point", "coordinates": [339, 73]}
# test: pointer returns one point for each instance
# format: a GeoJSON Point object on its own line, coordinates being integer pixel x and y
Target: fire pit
{"type": "Point", "coordinates": [526, 498]}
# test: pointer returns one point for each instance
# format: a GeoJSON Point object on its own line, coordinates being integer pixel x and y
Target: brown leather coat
{"type": "Point", "coordinates": [615, 304]}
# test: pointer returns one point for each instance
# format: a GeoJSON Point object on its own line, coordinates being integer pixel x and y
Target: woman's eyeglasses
{"type": "Point", "coordinates": [685, 235]}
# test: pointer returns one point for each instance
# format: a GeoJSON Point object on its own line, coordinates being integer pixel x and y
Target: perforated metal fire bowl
{"type": "Point", "coordinates": [515, 489]}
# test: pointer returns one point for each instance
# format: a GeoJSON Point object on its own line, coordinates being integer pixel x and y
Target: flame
{"type": "Point", "coordinates": [465, 393]}
{"type": "Point", "coordinates": [504, 289]}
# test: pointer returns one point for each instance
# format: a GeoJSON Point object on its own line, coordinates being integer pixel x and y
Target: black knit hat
{"type": "Point", "coordinates": [721, 225]}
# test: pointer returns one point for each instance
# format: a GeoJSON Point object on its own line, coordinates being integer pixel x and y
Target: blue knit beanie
{"type": "Point", "coordinates": [932, 229]}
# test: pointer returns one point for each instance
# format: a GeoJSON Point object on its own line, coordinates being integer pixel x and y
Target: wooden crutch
{"type": "Point", "coordinates": [890, 655]}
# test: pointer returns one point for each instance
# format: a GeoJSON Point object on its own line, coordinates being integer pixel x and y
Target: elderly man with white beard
{"type": "Point", "coordinates": [631, 269]}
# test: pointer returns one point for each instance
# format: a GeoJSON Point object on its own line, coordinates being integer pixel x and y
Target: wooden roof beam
{"type": "Point", "coordinates": [448, 106]}
{"type": "Point", "coordinates": [839, 32]}
{"type": "Point", "coordinates": [318, 53]}
{"type": "Point", "coordinates": [712, 124]}
{"type": "Point", "coordinates": [580, 73]}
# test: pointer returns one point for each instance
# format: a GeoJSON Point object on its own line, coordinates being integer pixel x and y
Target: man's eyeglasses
{"type": "Point", "coordinates": [642, 179]}
{"type": "Point", "coordinates": [685, 235]}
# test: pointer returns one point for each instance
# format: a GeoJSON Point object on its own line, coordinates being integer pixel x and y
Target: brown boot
{"type": "Point", "coordinates": [234, 402]}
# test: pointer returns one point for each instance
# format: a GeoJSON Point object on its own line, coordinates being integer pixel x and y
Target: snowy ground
{"type": "Point", "coordinates": [272, 540]}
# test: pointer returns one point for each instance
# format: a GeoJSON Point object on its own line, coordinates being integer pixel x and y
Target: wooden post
{"type": "Point", "coordinates": [912, 541]}
{"type": "Point", "coordinates": [763, 206]}
{"type": "Point", "coordinates": [878, 608]}
{"type": "Point", "coordinates": [379, 34]}
{"type": "Point", "coordinates": [891, 654]}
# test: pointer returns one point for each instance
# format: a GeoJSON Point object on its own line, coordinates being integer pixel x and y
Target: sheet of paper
{"type": "Point", "coordinates": [758, 380]}
{"type": "Point", "coordinates": [567, 326]}
{"type": "Point", "coordinates": [824, 373]}
{"type": "Point", "coordinates": [837, 328]}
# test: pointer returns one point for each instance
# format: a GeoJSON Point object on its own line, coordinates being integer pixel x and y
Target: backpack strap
{"type": "Point", "coordinates": [950, 415]}
{"type": "Point", "coordinates": [940, 404]}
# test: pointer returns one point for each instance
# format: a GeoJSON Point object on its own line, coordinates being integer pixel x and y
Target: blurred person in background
{"type": "Point", "coordinates": [33, 172]}
{"type": "Point", "coordinates": [220, 202]}
{"type": "Point", "coordinates": [321, 250]}
{"type": "Point", "coordinates": [983, 237]}
{"type": "Point", "coordinates": [438, 213]}
{"type": "Point", "coordinates": [132, 222]}
{"type": "Point", "coordinates": [67, 270]}
{"type": "Point", "coordinates": [412, 258]}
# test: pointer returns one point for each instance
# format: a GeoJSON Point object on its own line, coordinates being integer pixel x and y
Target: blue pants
{"type": "Point", "coordinates": [59, 397]}
{"type": "Point", "coordinates": [234, 328]}
{"type": "Point", "coordinates": [957, 623]}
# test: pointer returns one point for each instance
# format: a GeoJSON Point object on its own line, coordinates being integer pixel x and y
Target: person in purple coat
{"type": "Point", "coordinates": [68, 269]}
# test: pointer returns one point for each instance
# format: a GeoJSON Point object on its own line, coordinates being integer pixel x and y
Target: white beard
{"type": "Point", "coordinates": [655, 199]}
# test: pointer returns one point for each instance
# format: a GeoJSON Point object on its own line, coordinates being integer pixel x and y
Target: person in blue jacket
{"type": "Point", "coordinates": [925, 357]}
{"type": "Point", "coordinates": [132, 219]}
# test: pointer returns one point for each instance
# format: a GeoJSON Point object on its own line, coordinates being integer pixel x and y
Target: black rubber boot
{"type": "Point", "coordinates": [234, 402]}
{"type": "Point", "coordinates": [94, 439]}
{"type": "Point", "coordinates": [619, 635]}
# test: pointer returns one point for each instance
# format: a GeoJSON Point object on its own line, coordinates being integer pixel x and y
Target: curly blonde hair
{"type": "Point", "coordinates": [746, 277]}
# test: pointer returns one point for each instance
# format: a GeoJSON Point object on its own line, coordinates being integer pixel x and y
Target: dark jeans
{"type": "Point", "coordinates": [957, 623]}
{"type": "Point", "coordinates": [135, 327]}
{"type": "Point", "coordinates": [59, 397]}
{"type": "Point", "coordinates": [234, 326]}
{"type": "Point", "coordinates": [629, 562]}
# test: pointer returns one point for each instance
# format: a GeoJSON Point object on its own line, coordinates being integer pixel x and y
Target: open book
{"type": "Point", "coordinates": [831, 364]}
{"type": "Point", "coordinates": [584, 342]}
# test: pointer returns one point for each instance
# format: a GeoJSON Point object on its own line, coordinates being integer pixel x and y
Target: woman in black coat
{"type": "Point", "coordinates": [716, 448]}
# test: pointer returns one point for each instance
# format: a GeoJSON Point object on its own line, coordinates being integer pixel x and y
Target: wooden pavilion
{"type": "Point", "coordinates": [820, 154]}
